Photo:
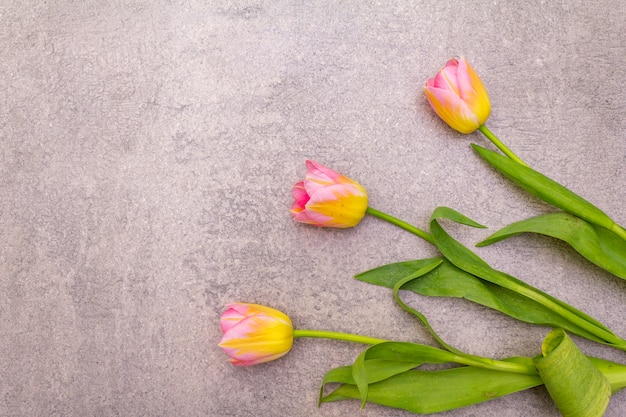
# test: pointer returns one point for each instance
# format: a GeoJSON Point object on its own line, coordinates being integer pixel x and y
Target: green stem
{"type": "Point", "coordinates": [487, 363]}
{"type": "Point", "coordinates": [348, 337]}
{"type": "Point", "coordinates": [494, 139]}
{"type": "Point", "coordinates": [400, 223]}
{"type": "Point", "coordinates": [460, 358]}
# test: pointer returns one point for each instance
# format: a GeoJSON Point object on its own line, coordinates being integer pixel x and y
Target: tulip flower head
{"type": "Point", "coordinates": [458, 96]}
{"type": "Point", "coordinates": [328, 199]}
{"type": "Point", "coordinates": [254, 334]}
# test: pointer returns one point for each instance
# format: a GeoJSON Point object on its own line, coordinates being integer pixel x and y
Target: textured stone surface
{"type": "Point", "coordinates": [147, 152]}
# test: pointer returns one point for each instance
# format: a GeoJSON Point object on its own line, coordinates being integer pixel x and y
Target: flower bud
{"type": "Point", "coordinates": [458, 96]}
{"type": "Point", "coordinates": [254, 334]}
{"type": "Point", "coordinates": [328, 199]}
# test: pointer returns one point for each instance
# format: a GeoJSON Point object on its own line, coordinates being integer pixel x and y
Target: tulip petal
{"type": "Point", "coordinates": [313, 218]}
{"type": "Point", "coordinates": [341, 205]}
{"type": "Point", "coordinates": [319, 172]}
{"type": "Point", "coordinates": [474, 93]}
{"type": "Point", "coordinates": [464, 82]}
{"type": "Point", "coordinates": [300, 196]}
{"type": "Point", "coordinates": [335, 192]}
{"type": "Point", "coordinates": [229, 319]}
{"type": "Point", "coordinates": [235, 312]}
{"type": "Point", "coordinates": [447, 78]}
{"type": "Point", "coordinates": [318, 177]}
{"type": "Point", "coordinates": [452, 110]}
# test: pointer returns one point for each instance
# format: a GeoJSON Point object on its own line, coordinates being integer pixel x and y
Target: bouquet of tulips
{"type": "Point", "coordinates": [390, 372]}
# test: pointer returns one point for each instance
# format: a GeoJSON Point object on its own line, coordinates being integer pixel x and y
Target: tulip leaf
{"type": "Point", "coordinates": [455, 216]}
{"type": "Point", "coordinates": [426, 392]}
{"type": "Point", "coordinates": [463, 274]}
{"type": "Point", "coordinates": [408, 352]}
{"type": "Point", "coordinates": [599, 245]}
{"type": "Point", "coordinates": [359, 371]}
{"type": "Point", "coordinates": [449, 281]}
{"type": "Point", "coordinates": [466, 260]}
{"type": "Point", "coordinates": [549, 190]}
{"type": "Point", "coordinates": [382, 361]}
{"type": "Point", "coordinates": [580, 386]}
{"type": "Point", "coordinates": [577, 387]}
{"type": "Point", "coordinates": [413, 355]}
{"type": "Point", "coordinates": [376, 370]}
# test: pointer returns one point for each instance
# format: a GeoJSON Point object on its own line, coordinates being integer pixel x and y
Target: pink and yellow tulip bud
{"type": "Point", "coordinates": [328, 199]}
{"type": "Point", "coordinates": [254, 334]}
{"type": "Point", "coordinates": [458, 96]}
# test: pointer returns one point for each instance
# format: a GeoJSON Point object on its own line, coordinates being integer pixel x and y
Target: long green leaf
{"type": "Point", "coordinates": [547, 189]}
{"type": "Point", "coordinates": [449, 281]}
{"type": "Point", "coordinates": [466, 260]}
{"type": "Point", "coordinates": [381, 361]}
{"type": "Point", "coordinates": [376, 370]}
{"type": "Point", "coordinates": [599, 245]}
{"type": "Point", "coordinates": [426, 392]}
{"type": "Point", "coordinates": [412, 353]}
{"type": "Point", "coordinates": [577, 387]}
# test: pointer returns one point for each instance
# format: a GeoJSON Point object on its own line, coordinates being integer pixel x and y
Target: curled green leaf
{"type": "Point", "coordinates": [599, 245]}
{"type": "Point", "coordinates": [577, 387]}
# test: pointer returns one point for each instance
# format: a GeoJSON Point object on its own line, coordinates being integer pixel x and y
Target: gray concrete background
{"type": "Point", "coordinates": [147, 154]}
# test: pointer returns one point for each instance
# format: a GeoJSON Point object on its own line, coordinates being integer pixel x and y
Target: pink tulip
{"type": "Point", "coordinates": [458, 96]}
{"type": "Point", "coordinates": [328, 199]}
{"type": "Point", "coordinates": [254, 334]}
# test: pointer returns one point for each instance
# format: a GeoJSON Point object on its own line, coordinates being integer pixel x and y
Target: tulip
{"type": "Point", "coordinates": [254, 334]}
{"type": "Point", "coordinates": [458, 96]}
{"type": "Point", "coordinates": [328, 199]}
